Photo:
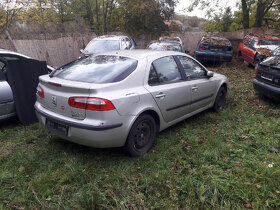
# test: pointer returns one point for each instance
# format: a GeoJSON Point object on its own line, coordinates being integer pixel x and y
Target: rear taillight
{"type": "Point", "coordinates": [40, 92]}
{"type": "Point", "coordinates": [202, 47]}
{"type": "Point", "coordinates": [89, 103]}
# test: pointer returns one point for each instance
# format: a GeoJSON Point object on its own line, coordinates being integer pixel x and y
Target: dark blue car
{"type": "Point", "coordinates": [215, 49]}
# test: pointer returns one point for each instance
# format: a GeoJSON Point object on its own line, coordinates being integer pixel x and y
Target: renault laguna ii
{"type": "Point", "coordinates": [123, 98]}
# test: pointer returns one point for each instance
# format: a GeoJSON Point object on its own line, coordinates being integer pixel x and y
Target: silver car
{"type": "Point", "coordinates": [124, 98]}
{"type": "Point", "coordinates": [104, 44]}
{"type": "Point", "coordinates": [7, 106]}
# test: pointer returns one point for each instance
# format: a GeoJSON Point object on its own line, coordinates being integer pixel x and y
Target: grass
{"type": "Point", "coordinates": [212, 160]}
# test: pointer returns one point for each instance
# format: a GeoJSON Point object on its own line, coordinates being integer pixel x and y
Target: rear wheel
{"type": "Point", "coordinates": [220, 100]}
{"type": "Point", "coordinates": [142, 135]}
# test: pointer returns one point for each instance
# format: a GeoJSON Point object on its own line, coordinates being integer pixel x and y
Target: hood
{"type": "Point", "coordinates": [272, 61]}
{"type": "Point", "coordinates": [270, 47]}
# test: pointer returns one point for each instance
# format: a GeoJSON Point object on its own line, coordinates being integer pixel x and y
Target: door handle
{"type": "Point", "coordinates": [160, 95]}
{"type": "Point", "coordinates": [194, 88]}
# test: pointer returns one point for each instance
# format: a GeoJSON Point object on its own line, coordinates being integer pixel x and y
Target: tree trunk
{"type": "Point", "coordinates": [245, 13]}
{"type": "Point", "coordinates": [260, 13]}
{"type": "Point", "coordinates": [97, 17]}
{"type": "Point", "coordinates": [89, 13]}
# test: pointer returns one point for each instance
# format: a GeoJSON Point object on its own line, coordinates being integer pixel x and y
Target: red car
{"type": "Point", "coordinates": [254, 48]}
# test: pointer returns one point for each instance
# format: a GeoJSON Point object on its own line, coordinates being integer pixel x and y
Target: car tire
{"type": "Point", "coordinates": [220, 100]}
{"type": "Point", "coordinates": [141, 137]}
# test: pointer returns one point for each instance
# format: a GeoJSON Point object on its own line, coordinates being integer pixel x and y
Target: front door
{"type": "Point", "coordinates": [202, 87]}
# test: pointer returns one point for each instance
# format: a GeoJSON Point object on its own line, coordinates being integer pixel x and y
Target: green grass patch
{"type": "Point", "coordinates": [212, 160]}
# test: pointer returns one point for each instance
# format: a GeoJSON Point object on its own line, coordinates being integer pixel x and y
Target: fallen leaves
{"type": "Point", "coordinates": [248, 206]}
{"type": "Point", "coordinates": [185, 144]}
{"type": "Point", "coordinates": [264, 51]}
{"type": "Point", "coordinates": [215, 41]}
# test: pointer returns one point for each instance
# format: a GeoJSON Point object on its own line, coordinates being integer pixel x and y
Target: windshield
{"type": "Point", "coordinates": [276, 51]}
{"type": "Point", "coordinates": [170, 39]}
{"type": "Point", "coordinates": [269, 42]}
{"type": "Point", "coordinates": [165, 46]}
{"type": "Point", "coordinates": [98, 69]}
{"type": "Point", "coordinates": [101, 46]}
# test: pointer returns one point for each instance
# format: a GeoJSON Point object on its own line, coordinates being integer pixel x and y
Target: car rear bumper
{"type": "Point", "coordinates": [213, 56]}
{"type": "Point", "coordinates": [266, 89]}
{"type": "Point", "coordinates": [88, 133]}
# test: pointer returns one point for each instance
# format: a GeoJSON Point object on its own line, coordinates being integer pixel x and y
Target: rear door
{"type": "Point", "coordinates": [202, 88]}
{"type": "Point", "coordinates": [169, 89]}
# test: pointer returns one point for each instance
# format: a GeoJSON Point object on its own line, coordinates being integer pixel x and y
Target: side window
{"type": "Point", "coordinates": [253, 44]}
{"type": "Point", "coordinates": [167, 70]}
{"type": "Point", "coordinates": [248, 43]}
{"type": "Point", "coordinates": [192, 69]}
{"type": "Point", "coordinates": [245, 38]}
{"type": "Point", "coordinates": [2, 70]}
{"type": "Point", "coordinates": [128, 43]}
{"type": "Point", "coordinates": [153, 77]}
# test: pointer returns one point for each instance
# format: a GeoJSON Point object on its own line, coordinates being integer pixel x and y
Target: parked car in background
{"type": "Point", "coordinates": [254, 48]}
{"type": "Point", "coordinates": [163, 46]}
{"type": "Point", "coordinates": [124, 98]}
{"type": "Point", "coordinates": [171, 39]}
{"type": "Point", "coordinates": [214, 49]}
{"type": "Point", "coordinates": [267, 81]}
{"type": "Point", "coordinates": [7, 105]}
{"type": "Point", "coordinates": [104, 44]}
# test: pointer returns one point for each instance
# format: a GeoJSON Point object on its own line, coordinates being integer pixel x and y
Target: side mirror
{"type": "Point", "coordinates": [187, 51]}
{"type": "Point", "coordinates": [210, 74]}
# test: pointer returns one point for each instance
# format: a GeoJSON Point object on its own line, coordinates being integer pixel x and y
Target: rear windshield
{"type": "Point", "coordinates": [269, 42]}
{"type": "Point", "coordinates": [165, 46]}
{"type": "Point", "coordinates": [98, 69]}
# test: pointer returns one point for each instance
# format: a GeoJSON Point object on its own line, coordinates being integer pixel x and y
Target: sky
{"type": "Point", "coordinates": [200, 13]}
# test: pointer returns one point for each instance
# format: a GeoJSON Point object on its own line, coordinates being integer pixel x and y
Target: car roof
{"type": "Point", "coordinates": [110, 37]}
{"type": "Point", "coordinates": [165, 43]}
{"type": "Point", "coordinates": [214, 37]}
{"type": "Point", "coordinates": [140, 54]}
{"type": "Point", "coordinates": [6, 52]}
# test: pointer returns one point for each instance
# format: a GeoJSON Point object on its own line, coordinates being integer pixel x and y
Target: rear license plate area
{"type": "Point", "coordinates": [216, 49]}
{"type": "Point", "coordinates": [57, 128]}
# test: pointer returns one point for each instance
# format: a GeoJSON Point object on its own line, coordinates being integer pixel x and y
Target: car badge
{"type": "Point", "coordinates": [54, 102]}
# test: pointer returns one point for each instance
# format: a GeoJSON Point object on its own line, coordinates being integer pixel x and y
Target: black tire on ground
{"type": "Point", "coordinates": [220, 100]}
{"type": "Point", "coordinates": [239, 56]}
{"type": "Point", "coordinates": [141, 137]}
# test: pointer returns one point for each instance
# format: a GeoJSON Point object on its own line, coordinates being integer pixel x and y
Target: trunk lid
{"type": "Point", "coordinates": [269, 71]}
{"type": "Point", "coordinates": [58, 91]}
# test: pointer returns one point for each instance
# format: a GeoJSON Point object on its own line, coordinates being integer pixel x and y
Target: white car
{"type": "Point", "coordinates": [7, 105]}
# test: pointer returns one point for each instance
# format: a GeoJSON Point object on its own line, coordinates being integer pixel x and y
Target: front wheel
{"type": "Point", "coordinates": [220, 100]}
{"type": "Point", "coordinates": [142, 136]}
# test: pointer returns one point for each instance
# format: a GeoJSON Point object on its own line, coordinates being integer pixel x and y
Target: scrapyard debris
{"type": "Point", "coordinates": [215, 41]}
{"type": "Point", "coordinates": [264, 51]}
